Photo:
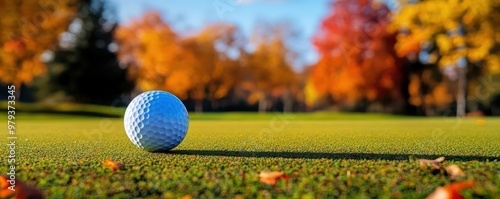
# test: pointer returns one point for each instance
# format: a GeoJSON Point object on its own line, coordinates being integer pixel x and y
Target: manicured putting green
{"type": "Point", "coordinates": [361, 157]}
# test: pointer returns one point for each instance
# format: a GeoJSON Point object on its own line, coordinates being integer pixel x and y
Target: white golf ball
{"type": "Point", "coordinates": [156, 121]}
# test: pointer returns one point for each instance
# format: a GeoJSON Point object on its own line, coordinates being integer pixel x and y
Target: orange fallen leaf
{"type": "Point", "coordinates": [480, 122]}
{"type": "Point", "coordinates": [22, 190]}
{"type": "Point", "coordinates": [186, 197]}
{"type": "Point", "coordinates": [451, 191]}
{"type": "Point", "coordinates": [435, 164]}
{"type": "Point", "coordinates": [454, 171]}
{"type": "Point", "coordinates": [271, 178]}
{"type": "Point", "coordinates": [114, 165]}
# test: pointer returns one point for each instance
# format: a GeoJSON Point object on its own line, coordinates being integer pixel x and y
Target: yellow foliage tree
{"type": "Point", "coordinates": [452, 33]}
{"type": "Point", "coordinates": [269, 66]}
{"type": "Point", "coordinates": [27, 30]}
{"type": "Point", "coordinates": [310, 93]}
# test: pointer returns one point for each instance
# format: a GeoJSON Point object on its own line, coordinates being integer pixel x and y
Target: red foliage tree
{"type": "Point", "coordinates": [357, 56]}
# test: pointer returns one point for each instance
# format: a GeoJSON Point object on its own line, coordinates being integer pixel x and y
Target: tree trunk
{"type": "Point", "coordinates": [287, 102]}
{"type": "Point", "coordinates": [17, 90]}
{"type": "Point", "coordinates": [462, 76]}
{"type": "Point", "coordinates": [215, 104]}
{"type": "Point", "coordinates": [17, 84]}
{"type": "Point", "coordinates": [198, 106]}
{"type": "Point", "coordinates": [461, 92]}
{"type": "Point", "coordinates": [425, 107]}
{"type": "Point", "coordinates": [262, 105]}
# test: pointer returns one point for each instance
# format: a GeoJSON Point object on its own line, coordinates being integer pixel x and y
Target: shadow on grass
{"type": "Point", "coordinates": [315, 155]}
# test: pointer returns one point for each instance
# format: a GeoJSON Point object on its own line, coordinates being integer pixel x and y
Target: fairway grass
{"type": "Point", "coordinates": [221, 158]}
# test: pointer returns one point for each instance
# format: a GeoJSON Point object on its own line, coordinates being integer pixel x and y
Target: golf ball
{"type": "Point", "coordinates": [156, 121]}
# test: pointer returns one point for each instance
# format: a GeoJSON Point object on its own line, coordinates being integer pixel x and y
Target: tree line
{"type": "Point", "coordinates": [424, 58]}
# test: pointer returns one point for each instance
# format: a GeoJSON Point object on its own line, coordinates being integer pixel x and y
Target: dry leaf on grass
{"type": "Point", "coordinates": [454, 171]}
{"type": "Point", "coordinates": [435, 164]}
{"type": "Point", "coordinates": [186, 197]}
{"type": "Point", "coordinates": [451, 191]}
{"type": "Point", "coordinates": [271, 178]}
{"type": "Point", "coordinates": [114, 165]}
{"type": "Point", "coordinates": [22, 190]}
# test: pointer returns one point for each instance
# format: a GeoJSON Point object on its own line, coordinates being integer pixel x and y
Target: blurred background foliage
{"type": "Point", "coordinates": [420, 58]}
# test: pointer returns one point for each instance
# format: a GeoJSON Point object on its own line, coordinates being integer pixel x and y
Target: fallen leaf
{"type": "Point", "coordinates": [186, 197]}
{"type": "Point", "coordinates": [114, 165]}
{"type": "Point", "coordinates": [271, 178]}
{"type": "Point", "coordinates": [5, 192]}
{"type": "Point", "coordinates": [454, 171]}
{"type": "Point", "coordinates": [435, 164]}
{"type": "Point", "coordinates": [480, 122]}
{"type": "Point", "coordinates": [451, 191]}
{"type": "Point", "coordinates": [22, 190]}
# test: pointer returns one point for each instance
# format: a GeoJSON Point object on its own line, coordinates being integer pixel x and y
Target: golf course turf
{"type": "Point", "coordinates": [222, 155]}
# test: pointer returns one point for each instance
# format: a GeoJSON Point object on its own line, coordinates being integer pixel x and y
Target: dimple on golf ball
{"type": "Point", "coordinates": [156, 121]}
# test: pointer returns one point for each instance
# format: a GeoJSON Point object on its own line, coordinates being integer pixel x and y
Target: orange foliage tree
{"type": "Point", "coordinates": [218, 49]}
{"type": "Point", "coordinates": [198, 67]}
{"type": "Point", "coordinates": [157, 59]}
{"type": "Point", "coordinates": [27, 30]}
{"type": "Point", "coordinates": [357, 56]}
{"type": "Point", "coordinates": [269, 66]}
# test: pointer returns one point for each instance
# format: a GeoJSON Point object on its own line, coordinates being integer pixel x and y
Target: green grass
{"type": "Point", "coordinates": [294, 116]}
{"type": "Point", "coordinates": [40, 111]}
{"type": "Point", "coordinates": [327, 156]}
{"type": "Point", "coordinates": [64, 109]}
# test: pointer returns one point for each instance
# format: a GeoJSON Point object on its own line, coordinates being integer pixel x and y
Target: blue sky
{"type": "Point", "coordinates": [190, 16]}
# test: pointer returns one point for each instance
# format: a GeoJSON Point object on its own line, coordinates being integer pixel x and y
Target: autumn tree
{"type": "Point", "coordinates": [156, 58]}
{"type": "Point", "coordinates": [310, 96]}
{"type": "Point", "coordinates": [203, 66]}
{"type": "Point", "coordinates": [218, 48]}
{"type": "Point", "coordinates": [269, 66]}
{"type": "Point", "coordinates": [357, 58]}
{"type": "Point", "coordinates": [458, 36]}
{"type": "Point", "coordinates": [28, 29]}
